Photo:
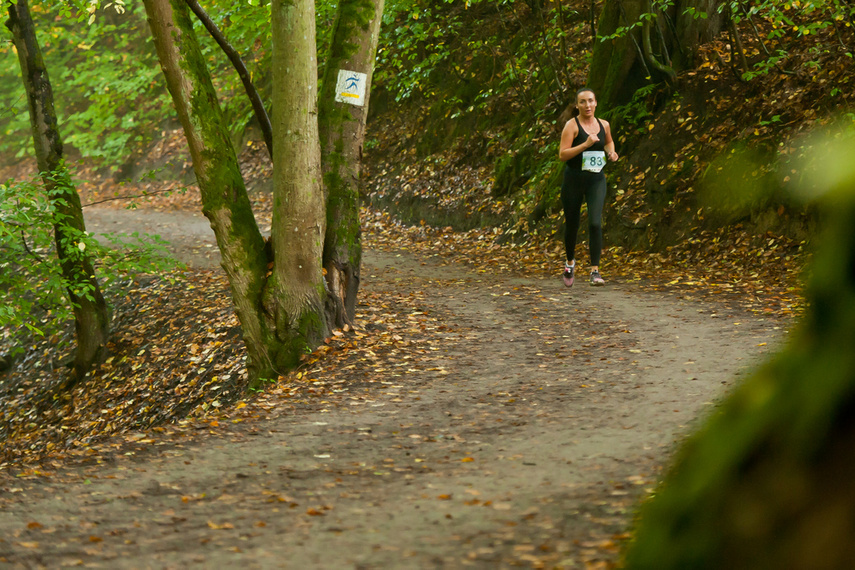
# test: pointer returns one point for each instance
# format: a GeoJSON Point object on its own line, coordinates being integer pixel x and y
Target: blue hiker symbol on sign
{"type": "Point", "coordinates": [350, 87]}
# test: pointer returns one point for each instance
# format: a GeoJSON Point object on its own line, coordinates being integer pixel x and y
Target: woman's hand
{"type": "Point", "coordinates": [592, 140]}
{"type": "Point", "coordinates": [613, 156]}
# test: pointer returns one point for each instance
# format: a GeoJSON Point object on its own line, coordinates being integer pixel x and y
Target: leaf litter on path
{"type": "Point", "coordinates": [170, 380]}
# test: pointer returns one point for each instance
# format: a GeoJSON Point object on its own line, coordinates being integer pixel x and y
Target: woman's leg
{"type": "Point", "coordinates": [596, 199]}
{"type": "Point", "coordinates": [571, 199]}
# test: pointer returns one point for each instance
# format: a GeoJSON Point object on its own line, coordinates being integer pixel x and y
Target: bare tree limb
{"type": "Point", "coordinates": [641, 57]}
{"type": "Point", "coordinates": [144, 195]}
{"type": "Point", "coordinates": [651, 59]}
{"type": "Point", "coordinates": [736, 45]}
{"type": "Point", "coordinates": [667, 70]}
{"type": "Point", "coordinates": [237, 62]}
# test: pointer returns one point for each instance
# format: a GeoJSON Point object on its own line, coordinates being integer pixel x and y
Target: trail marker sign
{"type": "Point", "coordinates": [350, 87]}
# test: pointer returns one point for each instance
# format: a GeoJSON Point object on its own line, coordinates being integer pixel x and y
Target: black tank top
{"type": "Point", "coordinates": [575, 163]}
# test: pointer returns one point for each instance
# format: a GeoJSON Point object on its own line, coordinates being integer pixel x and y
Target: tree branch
{"type": "Point", "coordinates": [237, 62]}
{"type": "Point", "coordinates": [144, 195]}
{"type": "Point", "coordinates": [29, 251]}
{"type": "Point", "coordinates": [556, 69]}
{"type": "Point", "coordinates": [736, 45]}
{"type": "Point", "coordinates": [520, 86]}
{"type": "Point", "coordinates": [634, 41]}
{"type": "Point", "coordinates": [651, 59]}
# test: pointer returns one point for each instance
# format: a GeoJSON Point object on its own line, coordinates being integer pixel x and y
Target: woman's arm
{"type": "Point", "coordinates": [566, 150]}
{"type": "Point", "coordinates": [610, 143]}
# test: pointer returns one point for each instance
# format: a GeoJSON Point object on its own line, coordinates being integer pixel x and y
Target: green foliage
{"type": "Point", "coordinates": [827, 23]}
{"type": "Point", "coordinates": [414, 42]}
{"type": "Point", "coordinates": [622, 31]}
{"type": "Point", "coordinates": [33, 290]}
{"type": "Point", "coordinates": [633, 117]}
{"type": "Point", "coordinates": [109, 97]}
{"type": "Point", "coordinates": [246, 26]}
{"type": "Point", "coordinates": [423, 44]}
{"type": "Point", "coordinates": [28, 281]}
{"type": "Point", "coordinates": [485, 74]}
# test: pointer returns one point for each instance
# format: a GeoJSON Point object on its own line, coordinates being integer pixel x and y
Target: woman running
{"type": "Point", "coordinates": [586, 143]}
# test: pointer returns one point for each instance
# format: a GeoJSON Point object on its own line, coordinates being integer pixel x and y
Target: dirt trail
{"type": "Point", "coordinates": [523, 436]}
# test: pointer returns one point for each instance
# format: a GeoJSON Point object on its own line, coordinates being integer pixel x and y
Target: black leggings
{"type": "Point", "coordinates": [591, 188]}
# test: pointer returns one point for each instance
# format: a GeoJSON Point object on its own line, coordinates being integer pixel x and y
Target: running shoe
{"type": "Point", "coordinates": [569, 271]}
{"type": "Point", "coordinates": [596, 280]}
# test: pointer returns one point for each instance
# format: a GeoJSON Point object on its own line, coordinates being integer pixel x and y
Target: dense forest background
{"type": "Point", "coordinates": [467, 105]}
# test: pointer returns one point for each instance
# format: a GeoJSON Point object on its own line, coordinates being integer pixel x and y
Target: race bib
{"type": "Point", "coordinates": [593, 160]}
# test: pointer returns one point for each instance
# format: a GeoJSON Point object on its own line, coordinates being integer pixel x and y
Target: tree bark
{"type": "Point", "coordinates": [224, 199]}
{"type": "Point", "coordinates": [91, 314]}
{"type": "Point", "coordinates": [234, 57]}
{"type": "Point", "coordinates": [693, 32]}
{"type": "Point", "coordinates": [617, 68]}
{"type": "Point", "coordinates": [619, 65]}
{"type": "Point", "coordinates": [342, 132]}
{"type": "Point", "coordinates": [295, 295]}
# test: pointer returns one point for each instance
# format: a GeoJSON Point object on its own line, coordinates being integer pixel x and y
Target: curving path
{"type": "Point", "coordinates": [523, 434]}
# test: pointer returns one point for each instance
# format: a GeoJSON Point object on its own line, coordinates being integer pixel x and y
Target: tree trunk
{"type": "Point", "coordinates": [342, 128]}
{"type": "Point", "coordinates": [224, 199]}
{"type": "Point", "coordinates": [693, 32]}
{"type": "Point", "coordinates": [243, 73]}
{"type": "Point", "coordinates": [622, 65]}
{"type": "Point", "coordinates": [91, 314]}
{"type": "Point", "coordinates": [618, 69]}
{"type": "Point", "coordinates": [295, 296]}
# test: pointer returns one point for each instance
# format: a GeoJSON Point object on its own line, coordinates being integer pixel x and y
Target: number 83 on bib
{"type": "Point", "coordinates": [593, 160]}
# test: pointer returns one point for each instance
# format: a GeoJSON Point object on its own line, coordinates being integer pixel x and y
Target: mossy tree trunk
{"type": "Point", "coordinates": [342, 128]}
{"type": "Point", "coordinates": [769, 481]}
{"type": "Point", "coordinates": [91, 314]}
{"type": "Point", "coordinates": [655, 50]}
{"type": "Point", "coordinates": [279, 291]}
{"type": "Point", "coordinates": [224, 198]}
{"type": "Point", "coordinates": [295, 296]}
